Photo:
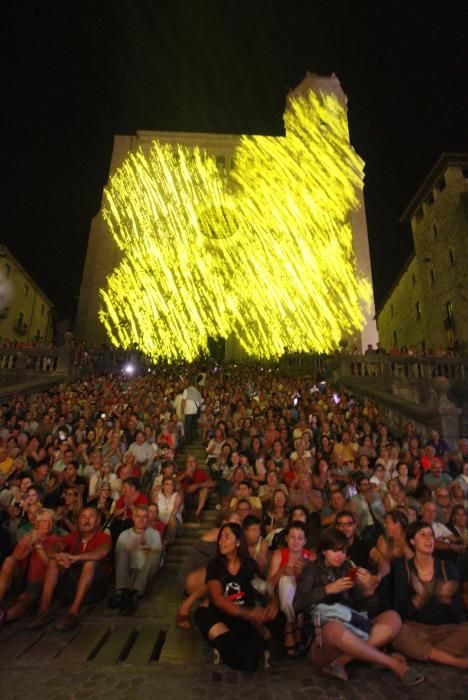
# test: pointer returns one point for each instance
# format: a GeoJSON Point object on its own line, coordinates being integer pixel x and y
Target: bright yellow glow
{"type": "Point", "coordinates": [266, 255]}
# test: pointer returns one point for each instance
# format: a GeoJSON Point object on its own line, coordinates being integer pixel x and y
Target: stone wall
{"type": "Point", "coordinates": [25, 311]}
{"type": "Point", "coordinates": [401, 319]}
{"type": "Point", "coordinates": [436, 274]}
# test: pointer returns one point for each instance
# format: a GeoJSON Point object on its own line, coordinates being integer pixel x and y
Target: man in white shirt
{"type": "Point", "coordinates": [137, 561]}
{"type": "Point", "coordinates": [144, 452]}
{"type": "Point", "coordinates": [191, 402]}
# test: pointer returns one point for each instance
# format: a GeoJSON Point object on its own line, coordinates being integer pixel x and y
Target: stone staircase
{"type": "Point", "coordinates": [192, 531]}
{"type": "Point", "coordinates": [147, 640]}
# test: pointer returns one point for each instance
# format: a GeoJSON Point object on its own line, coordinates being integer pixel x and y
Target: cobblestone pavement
{"type": "Point", "coordinates": [148, 656]}
{"type": "Point", "coordinates": [172, 682]}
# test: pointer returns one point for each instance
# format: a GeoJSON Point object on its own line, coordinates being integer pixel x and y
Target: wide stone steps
{"type": "Point", "coordinates": [106, 639]}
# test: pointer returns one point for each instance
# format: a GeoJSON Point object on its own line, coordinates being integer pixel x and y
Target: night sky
{"type": "Point", "coordinates": [77, 72]}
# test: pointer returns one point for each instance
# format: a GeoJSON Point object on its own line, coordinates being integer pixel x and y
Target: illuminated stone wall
{"type": "Point", "coordinates": [436, 276]}
{"type": "Point", "coordinates": [103, 254]}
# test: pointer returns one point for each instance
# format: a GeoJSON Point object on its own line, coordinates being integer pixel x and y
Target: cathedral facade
{"type": "Point", "coordinates": [103, 254]}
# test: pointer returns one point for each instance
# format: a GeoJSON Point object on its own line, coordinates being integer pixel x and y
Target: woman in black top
{"type": "Point", "coordinates": [232, 624]}
{"type": "Point", "coordinates": [428, 599]}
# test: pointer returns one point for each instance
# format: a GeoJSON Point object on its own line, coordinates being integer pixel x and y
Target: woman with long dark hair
{"type": "Point", "coordinates": [231, 623]}
{"type": "Point", "coordinates": [335, 592]}
{"type": "Point", "coordinates": [392, 544]}
{"type": "Point", "coordinates": [427, 596]}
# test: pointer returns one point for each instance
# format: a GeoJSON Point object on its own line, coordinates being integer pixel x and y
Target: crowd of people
{"type": "Point", "coordinates": [335, 535]}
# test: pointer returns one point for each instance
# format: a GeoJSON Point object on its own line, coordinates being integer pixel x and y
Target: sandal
{"type": "Point", "coordinates": [183, 621]}
{"type": "Point", "coordinates": [290, 649]}
{"type": "Point", "coordinates": [338, 672]}
{"type": "Point", "coordinates": [411, 677]}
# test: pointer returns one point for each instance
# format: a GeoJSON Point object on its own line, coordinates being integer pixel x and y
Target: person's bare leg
{"type": "Point", "coordinates": [217, 630]}
{"type": "Point", "coordinates": [443, 657]}
{"type": "Point", "coordinates": [384, 628]}
{"type": "Point", "coordinates": [202, 496]}
{"type": "Point", "coordinates": [50, 584]}
{"type": "Point", "coordinates": [353, 647]}
{"type": "Point", "coordinates": [84, 583]}
{"type": "Point", "coordinates": [7, 572]}
{"type": "Point", "coordinates": [19, 607]}
{"type": "Point", "coordinates": [197, 594]}
{"type": "Point", "coordinates": [171, 530]}
{"type": "Point", "coordinates": [196, 588]}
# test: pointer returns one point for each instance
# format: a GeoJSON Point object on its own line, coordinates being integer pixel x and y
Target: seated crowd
{"type": "Point", "coordinates": [336, 535]}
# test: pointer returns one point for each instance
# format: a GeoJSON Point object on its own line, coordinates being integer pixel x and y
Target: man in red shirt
{"type": "Point", "coordinates": [131, 496]}
{"type": "Point", "coordinates": [122, 518]}
{"type": "Point", "coordinates": [196, 484]}
{"type": "Point", "coordinates": [81, 568]}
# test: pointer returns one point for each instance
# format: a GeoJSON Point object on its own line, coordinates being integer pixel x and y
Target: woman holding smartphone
{"type": "Point", "coordinates": [333, 585]}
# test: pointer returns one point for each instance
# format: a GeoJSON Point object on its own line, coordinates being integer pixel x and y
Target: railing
{"type": "Point", "coordinates": [398, 367]}
{"type": "Point", "coordinates": [299, 362]}
{"type": "Point", "coordinates": [19, 365]}
{"type": "Point", "coordinates": [430, 391]}
{"type": "Point", "coordinates": [34, 360]}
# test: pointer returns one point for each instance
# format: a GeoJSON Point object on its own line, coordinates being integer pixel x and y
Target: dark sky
{"type": "Point", "coordinates": [77, 72]}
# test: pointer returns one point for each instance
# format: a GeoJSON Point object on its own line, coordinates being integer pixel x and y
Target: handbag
{"type": "Point", "coordinates": [356, 622]}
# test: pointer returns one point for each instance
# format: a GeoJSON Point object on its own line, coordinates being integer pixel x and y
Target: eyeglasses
{"type": "Point", "coordinates": [345, 523]}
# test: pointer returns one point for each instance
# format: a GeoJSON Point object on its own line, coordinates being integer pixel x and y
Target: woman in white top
{"type": "Point", "coordinates": [170, 508]}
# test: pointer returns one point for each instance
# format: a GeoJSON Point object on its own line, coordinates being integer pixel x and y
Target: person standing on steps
{"type": "Point", "coordinates": [191, 402]}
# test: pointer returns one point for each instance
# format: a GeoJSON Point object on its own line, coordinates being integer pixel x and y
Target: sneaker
{"type": "Point", "coordinates": [129, 606]}
{"type": "Point", "coordinates": [118, 598]}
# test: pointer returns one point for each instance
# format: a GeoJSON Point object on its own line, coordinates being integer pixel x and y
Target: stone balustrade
{"type": "Point", "coordinates": [16, 364]}
{"type": "Point", "coordinates": [42, 366]}
{"type": "Point", "coordinates": [430, 391]}
{"type": "Point", "coordinates": [404, 366]}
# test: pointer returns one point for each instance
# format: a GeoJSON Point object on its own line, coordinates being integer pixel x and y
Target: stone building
{"type": "Point", "coordinates": [427, 306]}
{"type": "Point", "coordinates": [103, 255]}
{"type": "Point", "coordinates": [25, 311]}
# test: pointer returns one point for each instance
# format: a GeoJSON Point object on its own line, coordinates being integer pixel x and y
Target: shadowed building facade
{"type": "Point", "coordinates": [103, 255]}
{"type": "Point", "coordinates": [427, 305]}
{"type": "Point", "coordinates": [25, 311]}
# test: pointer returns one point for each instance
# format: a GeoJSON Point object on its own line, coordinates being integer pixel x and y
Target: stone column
{"type": "Point", "coordinates": [448, 412]}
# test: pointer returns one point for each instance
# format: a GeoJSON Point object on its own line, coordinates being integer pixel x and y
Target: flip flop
{"type": "Point", "coordinates": [411, 677]}
{"type": "Point", "coordinates": [183, 621]}
{"type": "Point", "coordinates": [338, 672]}
{"type": "Point", "coordinates": [291, 652]}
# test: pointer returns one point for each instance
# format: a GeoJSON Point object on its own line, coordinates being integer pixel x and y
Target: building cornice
{"type": "Point", "coordinates": [440, 166]}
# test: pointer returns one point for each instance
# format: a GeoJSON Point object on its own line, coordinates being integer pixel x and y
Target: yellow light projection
{"type": "Point", "coordinates": [266, 254]}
